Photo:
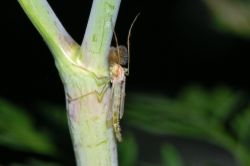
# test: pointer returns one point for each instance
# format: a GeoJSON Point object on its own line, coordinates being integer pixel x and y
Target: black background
{"type": "Point", "coordinates": [174, 44]}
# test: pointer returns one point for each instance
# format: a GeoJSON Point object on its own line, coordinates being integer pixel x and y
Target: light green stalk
{"type": "Point", "coordinates": [85, 76]}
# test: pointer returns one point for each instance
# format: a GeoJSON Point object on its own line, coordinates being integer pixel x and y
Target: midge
{"type": "Point", "coordinates": [119, 57]}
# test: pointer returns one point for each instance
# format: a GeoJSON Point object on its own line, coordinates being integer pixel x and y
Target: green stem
{"type": "Point", "coordinates": [85, 76]}
{"type": "Point", "coordinates": [98, 35]}
{"type": "Point", "coordinates": [46, 22]}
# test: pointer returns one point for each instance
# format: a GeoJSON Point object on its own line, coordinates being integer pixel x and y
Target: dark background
{"type": "Point", "coordinates": [174, 44]}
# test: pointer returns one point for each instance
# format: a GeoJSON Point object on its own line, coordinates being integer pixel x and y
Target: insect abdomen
{"type": "Point", "coordinates": [116, 112]}
{"type": "Point", "coordinates": [117, 128]}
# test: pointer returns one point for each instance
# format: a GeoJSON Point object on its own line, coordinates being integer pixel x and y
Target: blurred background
{"type": "Point", "coordinates": [187, 100]}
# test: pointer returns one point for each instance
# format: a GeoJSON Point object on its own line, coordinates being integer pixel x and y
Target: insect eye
{"type": "Point", "coordinates": [123, 54]}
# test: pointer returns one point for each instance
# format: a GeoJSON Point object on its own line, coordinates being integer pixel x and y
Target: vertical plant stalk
{"type": "Point", "coordinates": [85, 76]}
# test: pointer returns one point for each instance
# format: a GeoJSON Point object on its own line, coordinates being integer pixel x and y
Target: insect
{"type": "Point", "coordinates": [119, 57]}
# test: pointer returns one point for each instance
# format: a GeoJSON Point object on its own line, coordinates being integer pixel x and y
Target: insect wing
{"type": "Point", "coordinates": [116, 101]}
{"type": "Point", "coordinates": [116, 104]}
{"type": "Point", "coordinates": [122, 98]}
{"type": "Point", "coordinates": [110, 111]}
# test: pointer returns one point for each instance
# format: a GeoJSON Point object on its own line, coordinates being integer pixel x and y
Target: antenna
{"type": "Point", "coordinates": [128, 41]}
{"type": "Point", "coordinates": [116, 40]}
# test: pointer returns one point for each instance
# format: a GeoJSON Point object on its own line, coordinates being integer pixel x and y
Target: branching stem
{"type": "Point", "coordinates": [85, 75]}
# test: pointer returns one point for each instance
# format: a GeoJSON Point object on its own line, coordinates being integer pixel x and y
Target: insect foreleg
{"type": "Point", "coordinates": [99, 95]}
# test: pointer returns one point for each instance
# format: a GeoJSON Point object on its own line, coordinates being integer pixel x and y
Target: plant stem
{"type": "Point", "coordinates": [85, 76]}
{"type": "Point", "coordinates": [99, 32]}
{"type": "Point", "coordinates": [46, 22]}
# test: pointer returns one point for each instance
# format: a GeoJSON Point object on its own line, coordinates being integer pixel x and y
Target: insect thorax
{"type": "Point", "coordinates": [117, 73]}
